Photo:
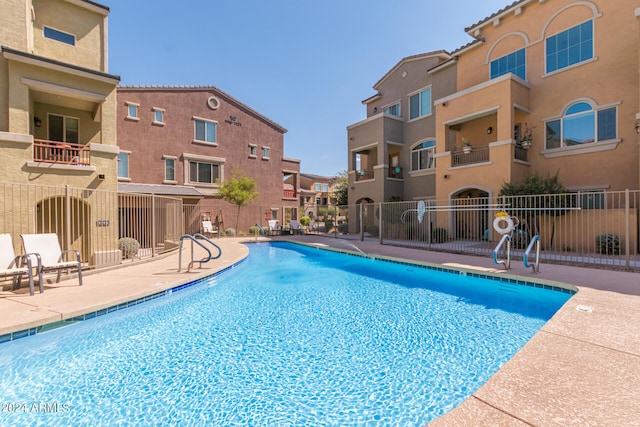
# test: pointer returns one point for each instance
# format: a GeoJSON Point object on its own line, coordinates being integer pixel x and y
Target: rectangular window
{"type": "Point", "coordinates": [158, 116]}
{"type": "Point", "coordinates": [570, 47]}
{"type": "Point", "coordinates": [318, 187]}
{"type": "Point", "coordinates": [265, 152]}
{"type": "Point", "coordinates": [60, 36]}
{"type": "Point", "coordinates": [512, 63]}
{"type": "Point", "coordinates": [203, 173]}
{"type": "Point", "coordinates": [205, 131]}
{"type": "Point", "coordinates": [394, 110]}
{"type": "Point", "coordinates": [123, 165]}
{"type": "Point", "coordinates": [169, 169]}
{"type": "Point", "coordinates": [63, 128]}
{"type": "Point", "coordinates": [325, 188]}
{"type": "Point", "coordinates": [132, 111]}
{"type": "Point", "coordinates": [253, 151]}
{"type": "Point", "coordinates": [607, 127]}
{"type": "Point", "coordinates": [420, 104]}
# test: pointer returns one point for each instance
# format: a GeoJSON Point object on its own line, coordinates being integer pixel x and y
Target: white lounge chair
{"type": "Point", "coordinates": [46, 249]}
{"type": "Point", "coordinates": [273, 227]}
{"type": "Point", "coordinates": [15, 266]}
{"type": "Point", "coordinates": [208, 229]}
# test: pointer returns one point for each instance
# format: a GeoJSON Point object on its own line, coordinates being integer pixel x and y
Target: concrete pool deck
{"type": "Point", "coordinates": [582, 368]}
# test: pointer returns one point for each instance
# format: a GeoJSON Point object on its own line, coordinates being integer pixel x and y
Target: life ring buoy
{"type": "Point", "coordinates": [507, 228]}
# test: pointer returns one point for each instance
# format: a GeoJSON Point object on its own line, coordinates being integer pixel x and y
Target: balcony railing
{"type": "Point", "coordinates": [59, 152]}
{"type": "Point", "coordinates": [289, 194]}
{"type": "Point", "coordinates": [395, 172]}
{"type": "Point", "coordinates": [476, 155]}
{"type": "Point", "coordinates": [364, 174]}
{"type": "Point", "coordinates": [520, 153]}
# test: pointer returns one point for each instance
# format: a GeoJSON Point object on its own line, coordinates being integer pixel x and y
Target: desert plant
{"type": "Point", "coordinates": [343, 228]}
{"type": "Point", "coordinates": [305, 221]}
{"type": "Point", "coordinates": [328, 225]}
{"type": "Point", "coordinates": [129, 247]}
{"type": "Point", "coordinates": [608, 244]}
{"type": "Point", "coordinates": [254, 230]}
{"type": "Point", "coordinates": [373, 230]}
{"type": "Point", "coordinates": [230, 232]}
{"type": "Point", "coordinates": [439, 235]}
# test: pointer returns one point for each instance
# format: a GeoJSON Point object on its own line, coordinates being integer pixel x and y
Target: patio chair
{"type": "Point", "coordinates": [273, 227]}
{"type": "Point", "coordinates": [15, 266]}
{"type": "Point", "coordinates": [208, 230]}
{"type": "Point", "coordinates": [46, 249]}
{"type": "Point", "coordinates": [295, 227]}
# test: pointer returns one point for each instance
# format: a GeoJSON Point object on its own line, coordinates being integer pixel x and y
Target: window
{"type": "Point", "coordinates": [570, 47]}
{"type": "Point", "coordinates": [169, 169]}
{"type": "Point", "coordinates": [325, 188]}
{"type": "Point", "coordinates": [132, 111]}
{"type": "Point", "coordinates": [593, 199]}
{"type": "Point", "coordinates": [512, 63]}
{"type": "Point", "coordinates": [203, 173]}
{"type": "Point", "coordinates": [265, 153]}
{"type": "Point", "coordinates": [420, 104]}
{"type": "Point", "coordinates": [60, 36]}
{"type": "Point", "coordinates": [581, 124]}
{"type": "Point", "coordinates": [394, 110]}
{"type": "Point", "coordinates": [205, 131]}
{"type": "Point", "coordinates": [253, 151]}
{"type": "Point", "coordinates": [123, 165]}
{"type": "Point", "coordinates": [63, 128]}
{"type": "Point", "coordinates": [158, 116]}
{"type": "Point", "coordinates": [318, 187]}
{"type": "Point", "coordinates": [422, 156]}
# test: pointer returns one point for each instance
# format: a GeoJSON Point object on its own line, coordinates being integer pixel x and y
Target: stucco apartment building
{"type": "Point", "coordinates": [544, 87]}
{"type": "Point", "coordinates": [186, 141]}
{"type": "Point", "coordinates": [57, 117]}
{"type": "Point", "coordinates": [316, 191]}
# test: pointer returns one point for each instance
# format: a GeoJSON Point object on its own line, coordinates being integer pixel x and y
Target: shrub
{"type": "Point", "coordinates": [254, 230]}
{"type": "Point", "coordinates": [373, 230]}
{"type": "Point", "coordinates": [129, 247]}
{"type": "Point", "coordinates": [305, 221]}
{"type": "Point", "coordinates": [230, 232]}
{"type": "Point", "coordinates": [439, 235]}
{"type": "Point", "coordinates": [608, 244]}
{"type": "Point", "coordinates": [343, 228]}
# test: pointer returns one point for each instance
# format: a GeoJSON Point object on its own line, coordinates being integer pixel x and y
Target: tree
{"type": "Point", "coordinates": [238, 190]}
{"type": "Point", "coordinates": [341, 189]}
{"type": "Point", "coordinates": [535, 196]}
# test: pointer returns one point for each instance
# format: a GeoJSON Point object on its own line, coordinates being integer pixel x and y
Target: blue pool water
{"type": "Point", "coordinates": [294, 336]}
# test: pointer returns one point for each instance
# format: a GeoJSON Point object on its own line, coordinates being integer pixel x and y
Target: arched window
{"type": "Point", "coordinates": [422, 156]}
{"type": "Point", "coordinates": [581, 124]}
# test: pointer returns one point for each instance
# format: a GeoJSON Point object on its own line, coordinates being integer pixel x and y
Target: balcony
{"type": "Point", "coordinates": [364, 174]}
{"type": "Point", "coordinates": [63, 153]}
{"type": "Point", "coordinates": [476, 155]}
{"type": "Point", "coordinates": [395, 172]}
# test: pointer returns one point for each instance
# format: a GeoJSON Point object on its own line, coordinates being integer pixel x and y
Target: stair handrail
{"type": "Point", "coordinates": [536, 265]}
{"type": "Point", "coordinates": [198, 235]}
{"type": "Point", "coordinates": [193, 239]}
{"type": "Point", "coordinates": [505, 262]}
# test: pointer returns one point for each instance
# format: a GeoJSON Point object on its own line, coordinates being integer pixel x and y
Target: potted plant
{"type": "Point", "coordinates": [466, 145]}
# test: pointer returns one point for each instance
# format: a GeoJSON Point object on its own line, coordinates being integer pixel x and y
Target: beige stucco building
{"type": "Point", "coordinates": [58, 112]}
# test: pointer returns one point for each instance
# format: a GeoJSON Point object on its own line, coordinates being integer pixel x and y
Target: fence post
{"type": "Point", "coordinates": [67, 218]}
{"type": "Point", "coordinates": [627, 229]}
{"type": "Point", "coordinates": [153, 225]}
{"type": "Point", "coordinates": [380, 223]}
{"type": "Point", "coordinates": [362, 222]}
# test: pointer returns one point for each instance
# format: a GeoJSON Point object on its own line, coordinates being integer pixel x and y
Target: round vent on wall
{"type": "Point", "coordinates": [213, 102]}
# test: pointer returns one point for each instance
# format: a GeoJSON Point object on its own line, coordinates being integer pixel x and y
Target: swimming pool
{"type": "Point", "coordinates": [293, 336]}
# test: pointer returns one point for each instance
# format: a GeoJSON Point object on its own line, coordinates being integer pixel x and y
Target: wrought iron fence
{"type": "Point", "coordinates": [585, 228]}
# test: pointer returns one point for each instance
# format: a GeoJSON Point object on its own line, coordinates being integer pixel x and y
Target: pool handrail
{"type": "Point", "coordinates": [536, 265]}
{"type": "Point", "coordinates": [193, 239]}
{"type": "Point", "coordinates": [200, 236]}
{"type": "Point", "coordinates": [505, 262]}
{"type": "Point", "coordinates": [261, 229]}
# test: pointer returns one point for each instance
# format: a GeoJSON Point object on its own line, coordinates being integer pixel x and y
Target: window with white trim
{"type": "Point", "coordinates": [169, 169]}
{"type": "Point", "coordinates": [158, 116]}
{"type": "Point", "coordinates": [393, 110]}
{"type": "Point", "coordinates": [515, 62]}
{"type": "Point", "coordinates": [420, 104]}
{"type": "Point", "coordinates": [581, 124]}
{"type": "Point", "coordinates": [569, 47]}
{"type": "Point", "coordinates": [265, 153]}
{"type": "Point", "coordinates": [205, 130]}
{"type": "Point", "coordinates": [253, 151]}
{"type": "Point", "coordinates": [63, 128]}
{"type": "Point", "coordinates": [123, 164]}
{"type": "Point", "coordinates": [203, 172]}
{"type": "Point", "coordinates": [423, 156]}
{"type": "Point", "coordinates": [132, 111]}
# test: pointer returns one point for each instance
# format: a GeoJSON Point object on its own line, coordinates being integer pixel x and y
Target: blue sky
{"type": "Point", "coordinates": [306, 65]}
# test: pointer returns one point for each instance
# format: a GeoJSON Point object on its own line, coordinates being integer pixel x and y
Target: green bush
{"type": "Point", "coordinates": [343, 228]}
{"type": "Point", "coordinates": [129, 247]}
{"type": "Point", "coordinates": [373, 230]}
{"type": "Point", "coordinates": [328, 225]}
{"type": "Point", "coordinates": [254, 230]}
{"type": "Point", "coordinates": [608, 244]}
{"type": "Point", "coordinates": [230, 232]}
{"type": "Point", "coordinates": [305, 221]}
{"type": "Point", "coordinates": [439, 235]}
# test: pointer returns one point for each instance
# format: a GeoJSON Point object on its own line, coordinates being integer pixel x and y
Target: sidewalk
{"type": "Point", "coordinates": [581, 368]}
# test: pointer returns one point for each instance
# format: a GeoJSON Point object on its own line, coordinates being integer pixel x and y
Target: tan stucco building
{"type": "Point", "coordinates": [58, 112]}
